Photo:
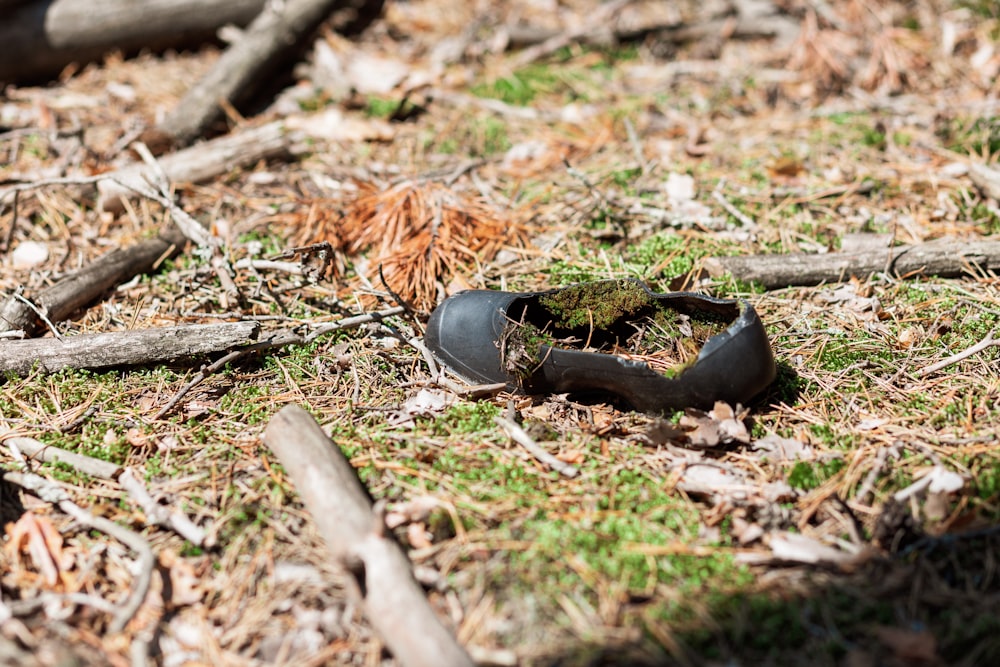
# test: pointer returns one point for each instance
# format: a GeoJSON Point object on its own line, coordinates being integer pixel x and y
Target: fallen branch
{"type": "Point", "coordinates": [123, 348]}
{"type": "Point", "coordinates": [520, 436]}
{"type": "Point", "coordinates": [78, 289]}
{"type": "Point", "coordinates": [42, 37]}
{"type": "Point", "coordinates": [355, 534]}
{"type": "Point", "coordinates": [986, 178]}
{"type": "Point", "coordinates": [52, 493]}
{"type": "Point", "coordinates": [948, 259]}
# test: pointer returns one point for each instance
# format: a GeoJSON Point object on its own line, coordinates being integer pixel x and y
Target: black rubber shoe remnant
{"type": "Point", "coordinates": [658, 352]}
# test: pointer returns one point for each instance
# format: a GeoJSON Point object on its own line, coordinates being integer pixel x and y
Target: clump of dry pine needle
{"type": "Point", "coordinates": [419, 233]}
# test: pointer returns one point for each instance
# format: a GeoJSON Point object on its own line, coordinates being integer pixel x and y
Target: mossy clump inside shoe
{"type": "Point", "coordinates": [613, 317]}
{"type": "Point", "coordinates": [596, 305]}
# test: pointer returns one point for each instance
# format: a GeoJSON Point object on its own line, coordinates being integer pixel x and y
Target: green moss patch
{"type": "Point", "coordinates": [613, 317]}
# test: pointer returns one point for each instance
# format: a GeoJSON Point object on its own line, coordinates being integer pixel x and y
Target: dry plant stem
{"type": "Point", "coordinates": [123, 348]}
{"type": "Point", "coordinates": [51, 493]}
{"type": "Point", "coordinates": [157, 513]}
{"type": "Point", "coordinates": [987, 342]}
{"type": "Point", "coordinates": [278, 340]}
{"type": "Point", "coordinates": [79, 289]}
{"type": "Point", "coordinates": [41, 315]}
{"type": "Point", "coordinates": [745, 220]}
{"type": "Point", "coordinates": [518, 435]}
{"type": "Point", "coordinates": [268, 41]}
{"type": "Point", "coordinates": [940, 259]}
{"type": "Point", "coordinates": [39, 451]}
{"type": "Point", "coordinates": [356, 536]}
{"type": "Point", "coordinates": [354, 321]}
{"type": "Point", "coordinates": [44, 36]}
{"type": "Point", "coordinates": [158, 189]}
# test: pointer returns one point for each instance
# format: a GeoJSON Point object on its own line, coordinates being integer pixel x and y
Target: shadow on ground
{"type": "Point", "coordinates": [934, 602]}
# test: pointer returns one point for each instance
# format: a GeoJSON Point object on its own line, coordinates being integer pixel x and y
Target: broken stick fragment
{"type": "Point", "coordinates": [393, 601]}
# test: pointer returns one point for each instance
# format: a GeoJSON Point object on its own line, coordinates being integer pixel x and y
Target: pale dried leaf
{"type": "Point", "coordinates": [798, 548]}
{"type": "Point", "coordinates": [412, 511]}
{"type": "Point", "coordinates": [785, 449]}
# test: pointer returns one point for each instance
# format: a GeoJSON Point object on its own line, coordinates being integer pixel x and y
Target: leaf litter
{"type": "Point", "coordinates": [839, 376]}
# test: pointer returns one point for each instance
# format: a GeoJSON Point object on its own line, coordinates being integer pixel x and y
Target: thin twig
{"type": "Point", "coordinates": [351, 322]}
{"type": "Point", "coordinates": [518, 435]}
{"type": "Point", "coordinates": [279, 339]}
{"type": "Point", "coordinates": [633, 139]}
{"type": "Point", "coordinates": [51, 493]}
{"type": "Point", "coordinates": [744, 219]}
{"type": "Point", "coordinates": [160, 193]}
{"type": "Point", "coordinates": [62, 180]}
{"type": "Point", "coordinates": [157, 513]}
{"type": "Point", "coordinates": [989, 341]}
{"type": "Point", "coordinates": [9, 238]}
{"type": "Point", "coordinates": [41, 314]}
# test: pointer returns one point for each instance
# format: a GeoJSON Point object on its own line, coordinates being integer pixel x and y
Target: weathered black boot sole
{"type": "Point", "coordinates": [476, 333]}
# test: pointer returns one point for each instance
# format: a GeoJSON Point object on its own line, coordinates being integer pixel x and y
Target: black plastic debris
{"type": "Point", "coordinates": [658, 352]}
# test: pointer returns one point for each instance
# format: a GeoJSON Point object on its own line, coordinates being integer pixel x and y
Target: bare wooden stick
{"type": "Point", "coordinates": [80, 288]}
{"type": "Point", "coordinates": [941, 259]}
{"type": "Point", "coordinates": [52, 493]}
{"type": "Point", "coordinates": [356, 536]}
{"type": "Point", "coordinates": [43, 36]}
{"type": "Point", "coordinates": [985, 343]}
{"type": "Point", "coordinates": [123, 348]}
{"type": "Point", "coordinates": [518, 435]}
{"type": "Point", "coordinates": [39, 451]}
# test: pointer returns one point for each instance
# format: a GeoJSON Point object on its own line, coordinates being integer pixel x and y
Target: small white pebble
{"type": "Point", "coordinates": [29, 254]}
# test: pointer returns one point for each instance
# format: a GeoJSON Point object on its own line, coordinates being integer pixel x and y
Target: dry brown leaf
{"type": "Point", "coordinates": [36, 537]}
{"type": "Point", "coordinates": [186, 586]}
{"type": "Point", "coordinates": [721, 425]}
{"type": "Point", "coordinates": [417, 536]}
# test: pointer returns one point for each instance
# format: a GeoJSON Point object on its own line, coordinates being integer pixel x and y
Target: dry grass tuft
{"type": "Point", "coordinates": [418, 234]}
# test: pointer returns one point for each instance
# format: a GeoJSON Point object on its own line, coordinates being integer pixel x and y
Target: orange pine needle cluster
{"type": "Point", "coordinates": [420, 234]}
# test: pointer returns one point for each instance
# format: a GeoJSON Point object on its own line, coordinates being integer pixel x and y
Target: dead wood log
{"type": "Point", "coordinates": [356, 536]}
{"type": "Point", "coordinates": [41, 37]}
{"type": "Point", "coordinates": [78, 289]}
{"type": "Point", "coordinates": [273, 38]}
{"type": "Point", "coordinates": [123, 348]}
{"type": "Point", "coordinates": [947, 260]}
